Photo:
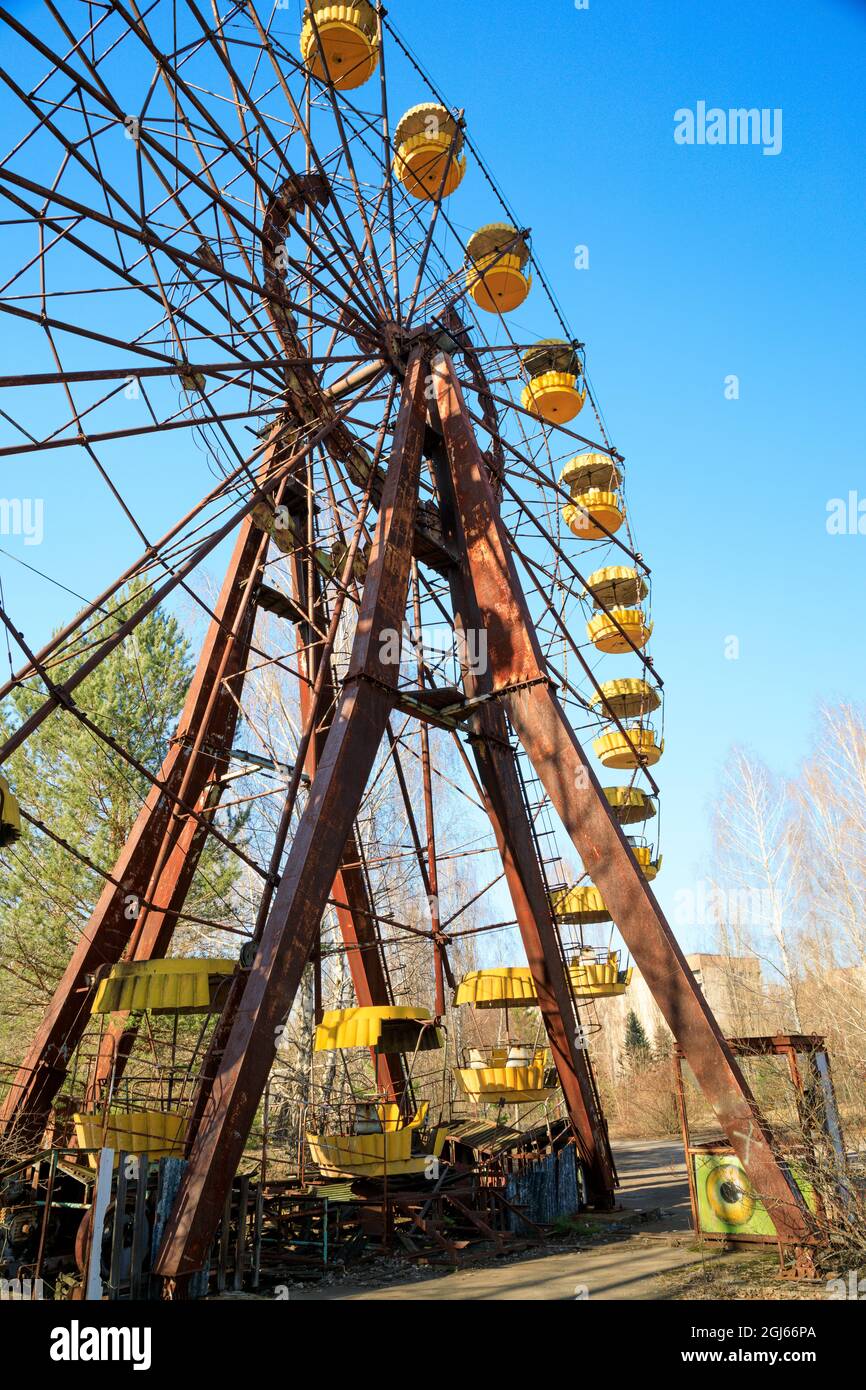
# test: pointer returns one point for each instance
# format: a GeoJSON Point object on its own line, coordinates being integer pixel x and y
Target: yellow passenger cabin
{"type": "Point", "coordinates": [593, 470]}
{"type": "Point", "coordinates": [594, 515]}
{"type": "Point", "coordinates": [429, 160]}
{"type": "Point", "coordinates": [514, 1074]}
{"type": "Point", "coordinates": [616, 586]}
{"type": "Point", "coordinates": [375, 1138]}
{"type": "Point", "coordinates": [596, 973]}
{"type": "Point", "coordinates": [619, 630]}
{"type": "Point", "coordinates": [555, 372]}
{"type": "Point", "coordinates": [175, 987]}
{"type": "Point", "coordinates": [643, 854]}
{"type": "Point", "coordinates": [382, 1142]}
{"type": "Point", "coordinates": [626, 698]}
{"type": "Point", "coordinates": [511, 1070]}
{"type": "Point", "coordinates": [340, 43]}
{"type": "Point", "coordinates": [630, 805]}
{"type": "Point", "coordinates": [496, 273]}
{"type": "Point", "coordinates": [633, 747]}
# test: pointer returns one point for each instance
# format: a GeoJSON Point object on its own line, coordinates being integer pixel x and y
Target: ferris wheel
{"type": "Point", "coordinates": [248, 311]}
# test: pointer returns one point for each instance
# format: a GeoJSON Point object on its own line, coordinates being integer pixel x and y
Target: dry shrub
{"type": "Point", "coordinates": [641, 1103]}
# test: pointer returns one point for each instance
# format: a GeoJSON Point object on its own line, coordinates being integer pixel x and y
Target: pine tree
{"type": "Point", "coordinates": [88, 796]}
{"type": "Point", "coordinates": [663, 1045]}
{"type": "Point", "coordinates": [638, 1051]}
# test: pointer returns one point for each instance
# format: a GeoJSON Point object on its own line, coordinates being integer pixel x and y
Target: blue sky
{"type": "Point", "coordinates": [705, 262]}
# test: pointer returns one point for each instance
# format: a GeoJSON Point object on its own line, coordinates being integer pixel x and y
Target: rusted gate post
{"type": "Point", "coordinates": [517, 667]}
{"type": "Point", "coordinates": [347, 759]}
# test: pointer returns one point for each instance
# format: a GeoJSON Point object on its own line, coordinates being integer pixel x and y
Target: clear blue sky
{"type": "Point", "coordinates": [704, 262]}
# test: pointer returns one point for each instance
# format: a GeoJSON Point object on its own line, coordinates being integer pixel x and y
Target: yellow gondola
{"type": "Point", "coordinates": [428, 142]}
{"type": "Point", "coordinates": [581, 905]}
{"type": "Point", "coordinates": [587, 471]}
{"type": "Point", "coordinates": [10, 815]}
{"type": "Point", "coordinates": [594, 515]}
{"type": "Point", "coordinates": [636, 747]}
{"type": "Point", "coordinates": [620, 630]}
{"type": "Point", "coordinates": [392, 1145]}
{"type": "Point", "coordinates": [383, 1140]}
{"type": "Point", "coordinates": [616, 586]}
{"type": "Point", "coordinates": [496, 274]}
{"type": "Point", "coordinates": [630, 805]}
{"type": "Point", "coordinates": [627, 698]}
{"type": "Point", "coordinates": [596, 974]}
{"type": "Point", "coordinates": [518, 1074]}
{"type": "Point", "coordinates": [555, 370]}
{"type": "Point", "coordinates": [649, 866]}
{"type": "Point", "coordinates": [515, 1071]}
{"type": "Point", "coordinates": [340, 43]}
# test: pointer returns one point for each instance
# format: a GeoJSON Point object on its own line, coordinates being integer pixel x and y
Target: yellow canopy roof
{"type": "Point", "coordinates": [360, 12]}
{"type": "Point", "coordinates": [552, 355]}
{"type": "Point", "coordinates": [428, 116]}
{"type": "Point", "coordinates": [492, 238]}
{"type": "Point", "coordinates": [506, 986]}
{"type": "Point", "coordinates": [390, 1029]}
{"type": "Point", "coordinates": [591, 470]}
{"type": "Point", "coordinates": [630, 804]}
{"type": "Point", "coordinates": [582, 904]}
{"type": "Point", "coordinates": [164, 986]}
{"type": "Point", "coordinates": [616, 586]}
{"type": "Point", "coordinates": [627, 698]}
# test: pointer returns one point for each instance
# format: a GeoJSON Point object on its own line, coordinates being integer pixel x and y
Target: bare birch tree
{"type": "Point", "coordinates": [758, 846]}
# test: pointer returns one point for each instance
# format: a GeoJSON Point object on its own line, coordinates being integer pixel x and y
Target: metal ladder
{"type": "Point", "coordinates": [545, 839]}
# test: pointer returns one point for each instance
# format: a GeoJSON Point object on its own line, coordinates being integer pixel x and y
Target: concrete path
{"type": "Point", "coordinates": [622, 1268]}
{"type": "Point", "coordinates": [652, 1173]}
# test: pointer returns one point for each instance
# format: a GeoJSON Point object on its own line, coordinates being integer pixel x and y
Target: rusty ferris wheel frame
{"type": "Point", "coordinates": [284, 303]}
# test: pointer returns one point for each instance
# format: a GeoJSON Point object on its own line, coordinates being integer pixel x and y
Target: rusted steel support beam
{"type": "Point", "coordinates": [335, 796]}
{"type": "Point", "coordinates": [356, 919]}
{"type": "Point", "coordinates": [207, 722]}
{"type": "Point", "coordinates": [515, 660]}
{"type": "Point", "coordinates": [498, 775]}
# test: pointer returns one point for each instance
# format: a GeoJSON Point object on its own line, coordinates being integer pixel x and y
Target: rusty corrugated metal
{"type": "Point", "coordinates": [484, 1137]}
